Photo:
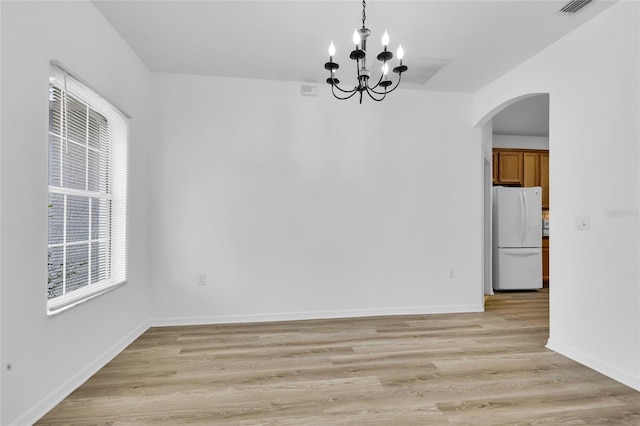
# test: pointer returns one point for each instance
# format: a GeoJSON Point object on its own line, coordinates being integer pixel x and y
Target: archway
{"type": "Point", "coordinates": [524, 133]}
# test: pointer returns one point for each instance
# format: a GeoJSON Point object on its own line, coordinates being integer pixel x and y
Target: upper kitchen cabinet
{"type": "Point", "coordinates": [510, 169]}
{"type": "Point", "coordinates": [530, 169]}
{"type": "Point", "coordinates": [544, 178]}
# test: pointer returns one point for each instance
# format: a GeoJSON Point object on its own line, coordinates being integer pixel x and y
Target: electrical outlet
{"type": "Point", "coordinates": [202, 279]}
{"type": "Point", "coordinates": [583, 223]}
{"type": "Point", "coordinates": [452, 273]}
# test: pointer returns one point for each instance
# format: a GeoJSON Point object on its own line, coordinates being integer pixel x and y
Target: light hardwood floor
{"type": "Point", "coordinates": [486, 368]}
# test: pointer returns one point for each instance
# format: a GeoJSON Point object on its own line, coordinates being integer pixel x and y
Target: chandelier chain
{"type": "Point", "coordinates": [364, 15]}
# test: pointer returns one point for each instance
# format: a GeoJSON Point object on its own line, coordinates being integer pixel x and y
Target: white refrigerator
{"type": "Point", "coordinates": [517, 238]}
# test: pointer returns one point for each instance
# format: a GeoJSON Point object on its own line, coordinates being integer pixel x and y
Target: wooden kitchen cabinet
{"type": "Point", "coordinates": [510, 168]}
{"type": "Point", "coordinates": [544, 178]}
{"type": "Point", "coordinates": [530, 169]}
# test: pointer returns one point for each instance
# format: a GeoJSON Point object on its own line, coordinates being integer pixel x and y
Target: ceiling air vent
{"type": "Point", "coordinates": [574, 6]}
{"type": "Point", "coordinates": [423, 69]}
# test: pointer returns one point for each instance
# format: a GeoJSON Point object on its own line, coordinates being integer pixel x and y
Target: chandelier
{"type": "Point", "coordinates": [377, 92]}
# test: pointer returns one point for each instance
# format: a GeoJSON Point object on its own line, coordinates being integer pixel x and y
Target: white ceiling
{"type": "Point", "coordinates": [288, 40]}
{"type": "Point", "coordinates": [528, 117]}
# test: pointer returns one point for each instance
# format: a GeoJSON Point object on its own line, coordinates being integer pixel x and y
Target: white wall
{"type": "Point", "coordinates": [1, 363]}
{"type": "Point", "coordinates": [594, 137]}
{"type": "Point", "coordinates": [487, 141]}
{"type": "Point", "coordinates": [298, 207]}
{"type": "Point", "coordinates": [51, 356]}
{"type": "Point", "coordinates": [520, 142]}
{"type": "Point", "coordinates": [487, 185]}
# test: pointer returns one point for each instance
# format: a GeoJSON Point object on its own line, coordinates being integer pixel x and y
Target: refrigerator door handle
{"type": "Point", "coordinates": [522, 217]}
{"type": "Point", "coordinates": [526, 217]}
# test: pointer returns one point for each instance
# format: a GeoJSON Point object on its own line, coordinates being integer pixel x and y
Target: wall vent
{"type": "Point", "coordinates": [308, 90]}
{"type": "Point", "coordinates": [574, 6]}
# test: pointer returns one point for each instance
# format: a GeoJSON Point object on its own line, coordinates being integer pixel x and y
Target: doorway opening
{"type": "Point", "coordinates": [519, 128]}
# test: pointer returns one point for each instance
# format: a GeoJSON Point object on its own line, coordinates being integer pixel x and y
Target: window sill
{"type": "Point", "coordinates": [63, 303]}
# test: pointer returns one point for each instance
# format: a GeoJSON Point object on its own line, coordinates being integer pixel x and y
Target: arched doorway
{"type": "Point", "coordinates": [520, 123]}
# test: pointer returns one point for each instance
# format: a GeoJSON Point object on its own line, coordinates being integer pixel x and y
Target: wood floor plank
{"type": "Point", "coordinates": [489, 368]}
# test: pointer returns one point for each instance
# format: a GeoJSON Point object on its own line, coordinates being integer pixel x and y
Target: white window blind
{"type": "Point", "coordinates": [88, 167]}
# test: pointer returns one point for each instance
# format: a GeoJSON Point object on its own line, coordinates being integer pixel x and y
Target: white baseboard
{"type": "Point", "coordinates": [296, 316]}
{"type": "Point", "coordinates": [54, 398]}
{"type": "Point", "coordinates": [600, 366]}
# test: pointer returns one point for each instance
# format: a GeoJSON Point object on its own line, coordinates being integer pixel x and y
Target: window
{"type": "Point", "coordinates": [88, 155]}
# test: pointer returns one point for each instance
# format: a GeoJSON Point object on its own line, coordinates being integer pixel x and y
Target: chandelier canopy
{"type": "Point", "coordinates": [377, 92]}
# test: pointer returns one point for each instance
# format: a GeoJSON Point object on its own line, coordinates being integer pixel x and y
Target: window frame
{"type": "Point", "coordinates": [111, 189]}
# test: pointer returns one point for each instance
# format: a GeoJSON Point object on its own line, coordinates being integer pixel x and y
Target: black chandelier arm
{"type": "Point", "coordinates": [369, 91]}
{"type": "Point", "coordinates": [378, 83]}
{"type": "Point", "coordinates": [394, 87]}
{"type": "Point", "coordinates": [378, 93]}
{"type": "Point", "coordinates": [385, 87]}
{"type": "Point", "coordinates": [397, 84]}
{"type": "Point", "coordinates": [352, 92]}
{"type": "Point", "coordinates": [343, 90]}
{"type": "Point", "coordinates": [383, 94]}
{"type": "Point", "coordinates": [334, 83]}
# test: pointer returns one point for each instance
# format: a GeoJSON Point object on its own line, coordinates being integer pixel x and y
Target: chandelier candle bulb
{"type": "Point", "coordinates": [400, 53]}
{"type": "Point", "coordinates": [385, 39]}
{"type": "Point", "coordinates": [356, 38]}
{"type": "Point", "coordinates": [332, 51]}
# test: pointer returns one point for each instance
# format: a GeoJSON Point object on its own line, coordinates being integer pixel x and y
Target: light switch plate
{"type": "Point", "coordinates": [583, 223]}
